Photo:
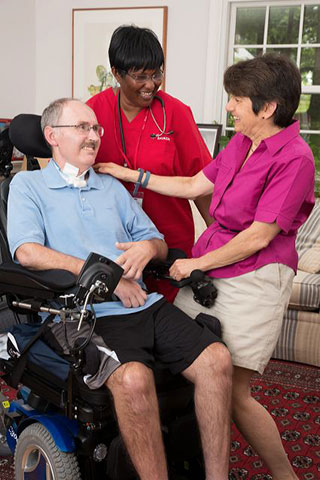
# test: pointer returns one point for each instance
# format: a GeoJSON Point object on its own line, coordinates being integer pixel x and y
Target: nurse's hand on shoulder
{"type": "Point", "coordinates": [183, 267]}
{"type": "Point", "coordinates": [135, 257]}
{"type": "Point", "coordinates": [117, 171]}
{"type": "Point", "coordinates": [130, 293]}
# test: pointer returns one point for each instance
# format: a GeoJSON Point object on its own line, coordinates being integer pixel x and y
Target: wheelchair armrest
{"type": "Point", "coordinates": [98, 273]}
{"type": "Point", "coordinates": [57, 280]}
{"type": "Point", "coordinates": [173, 255]}
{"type": "Point", "coordinates": [202, 286]}
{"type": "Point", "coordinates": [160, 269]}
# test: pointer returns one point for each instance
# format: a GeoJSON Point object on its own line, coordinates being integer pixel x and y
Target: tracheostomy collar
{"type": "Point", "coordinates": [70, 175]}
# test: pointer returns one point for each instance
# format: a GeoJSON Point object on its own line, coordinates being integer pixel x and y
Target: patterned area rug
{"type": "Point", "coordinates": [291, 393]}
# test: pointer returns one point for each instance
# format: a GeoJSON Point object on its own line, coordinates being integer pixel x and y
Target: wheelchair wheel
{"type": "Point", "coordinates": [4, 447]}
{"type": "Point", "coordinates": [37, 457]}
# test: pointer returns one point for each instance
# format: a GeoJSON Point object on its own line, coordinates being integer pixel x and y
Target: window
{"type": "Point", "coordinates": [293, 29]}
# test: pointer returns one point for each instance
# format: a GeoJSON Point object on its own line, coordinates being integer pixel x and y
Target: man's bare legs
{"type": "Point", "coordinates": [258, 427]}
{"type": "Point", "coordinates": [135, 400]}
{"type": "Point", "coordinates": [211, 374]}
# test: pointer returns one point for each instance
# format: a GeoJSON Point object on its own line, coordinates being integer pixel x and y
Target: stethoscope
{"type": "Point", "coordinates": [153, 135]}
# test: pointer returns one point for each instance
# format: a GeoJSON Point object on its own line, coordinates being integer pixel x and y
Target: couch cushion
{"type": "Point", "coordinates": [300, 338]}
{"type": "Point", "coordinates": [305, 292]}
{"type": "Point", "coordinates": [308, 242]}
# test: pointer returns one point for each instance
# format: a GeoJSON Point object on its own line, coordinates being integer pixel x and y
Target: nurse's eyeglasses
{"type": "Point", "coordinates": [144, 77]}
{"type": "Point", "coordinates": [84, 128]}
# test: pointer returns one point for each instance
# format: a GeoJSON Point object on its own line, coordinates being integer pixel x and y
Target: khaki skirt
{"type": "Point", "coordinates": [250, 308]}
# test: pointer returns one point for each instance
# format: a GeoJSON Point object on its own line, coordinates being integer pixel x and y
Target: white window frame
{"type": "Point", "coordinates": [225, 10]}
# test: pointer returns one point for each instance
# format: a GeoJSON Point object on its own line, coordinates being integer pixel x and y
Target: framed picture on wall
{"type": "Point", "coordinates": [211, 134]}
{"type": "Point", "coordinates": [91, 35]}
{"type": "Point", "coordinates": [4, 122]}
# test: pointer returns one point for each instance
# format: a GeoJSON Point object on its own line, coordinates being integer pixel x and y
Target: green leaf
{"type": "Point", "coordinates": [101, 72]}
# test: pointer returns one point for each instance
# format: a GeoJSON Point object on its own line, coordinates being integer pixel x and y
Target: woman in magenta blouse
{"type": "Point", "coordinates": [263, 190]}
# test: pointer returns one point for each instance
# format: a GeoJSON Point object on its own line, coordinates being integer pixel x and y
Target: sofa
{"type": "Point", "coordinates": [300, 335]}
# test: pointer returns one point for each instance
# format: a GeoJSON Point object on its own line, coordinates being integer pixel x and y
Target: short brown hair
{"type": "Point", "coordinates": [267, 78]}
{"type": "Point", "coordinates": [52, 113]}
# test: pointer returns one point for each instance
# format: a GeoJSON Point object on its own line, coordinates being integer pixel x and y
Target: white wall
{"type": "Point", "coordinates": [37, 66]}
{"type": "Point", "coordinates": [17, 58]}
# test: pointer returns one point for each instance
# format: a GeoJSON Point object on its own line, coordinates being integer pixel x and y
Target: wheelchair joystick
{"type": "Point", "coordinates": [101, 289]}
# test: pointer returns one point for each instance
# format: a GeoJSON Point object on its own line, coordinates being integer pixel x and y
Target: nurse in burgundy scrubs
{"type": "Point", "coordinates": [146, 128]}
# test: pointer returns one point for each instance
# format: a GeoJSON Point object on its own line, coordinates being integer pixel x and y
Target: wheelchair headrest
{"type": "Point", "coordinates": [26, 135]}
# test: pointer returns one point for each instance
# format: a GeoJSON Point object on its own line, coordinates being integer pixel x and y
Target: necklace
{"type": "Point", "coordinates": [253, 148]}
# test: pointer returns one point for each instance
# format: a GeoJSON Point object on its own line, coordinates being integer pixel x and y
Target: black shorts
{"type": "Point", "coordinates": [161, 332]}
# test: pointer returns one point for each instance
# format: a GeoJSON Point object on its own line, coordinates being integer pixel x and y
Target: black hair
{"type": "Point", "coordinates": [267, 78]}
{"type": "Point", "coordinates": [135, 48]}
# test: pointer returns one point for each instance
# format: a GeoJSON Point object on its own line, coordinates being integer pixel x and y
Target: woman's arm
{"type": "Point", "coordinates": [183, 187]}
{"type": "Point", "coordinates": [243, 245]}
{"type": "Point", "coordinates": [203, 204]}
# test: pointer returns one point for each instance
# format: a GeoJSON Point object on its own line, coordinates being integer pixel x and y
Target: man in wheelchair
{"type": "Point", "coordinates": [56, 217]}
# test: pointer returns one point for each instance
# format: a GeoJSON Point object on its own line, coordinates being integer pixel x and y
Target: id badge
{"type": "Point", "coordinates": [139, 198]}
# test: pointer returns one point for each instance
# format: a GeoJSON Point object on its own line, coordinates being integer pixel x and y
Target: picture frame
{"type": "Point", "coordinates": [4, 122]}
{"type": "Point", "coordinates": [91, 34]}
{"type": "Point", "coordinates": [211, 134]}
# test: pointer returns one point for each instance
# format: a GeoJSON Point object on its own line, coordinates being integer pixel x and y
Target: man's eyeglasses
{"type": "Point", "coordinates": [84, 128]}
{"type": "Point", "coordinates": [144, 77]}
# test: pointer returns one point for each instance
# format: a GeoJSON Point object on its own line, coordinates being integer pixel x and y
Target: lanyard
{"type": "Point", "coordinates": [126, 161]}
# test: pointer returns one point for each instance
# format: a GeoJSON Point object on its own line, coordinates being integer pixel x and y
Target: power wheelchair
{"type": "Point", "coordinates": [58, 428]}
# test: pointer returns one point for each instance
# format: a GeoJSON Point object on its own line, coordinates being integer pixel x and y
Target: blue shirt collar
{"type": "Point", "coordinates": [53, 179]}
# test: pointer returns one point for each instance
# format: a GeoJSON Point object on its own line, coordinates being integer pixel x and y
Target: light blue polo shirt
{"type": "Point", "coordinates": [44, 209]}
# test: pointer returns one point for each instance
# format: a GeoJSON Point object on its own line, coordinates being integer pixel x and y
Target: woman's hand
{"type": "Point", "coordinates": [182, 268]}
{"type": "Point", "coordinates": [117, 171]}
{"type": "Point", "coordinates": [130, 293]}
